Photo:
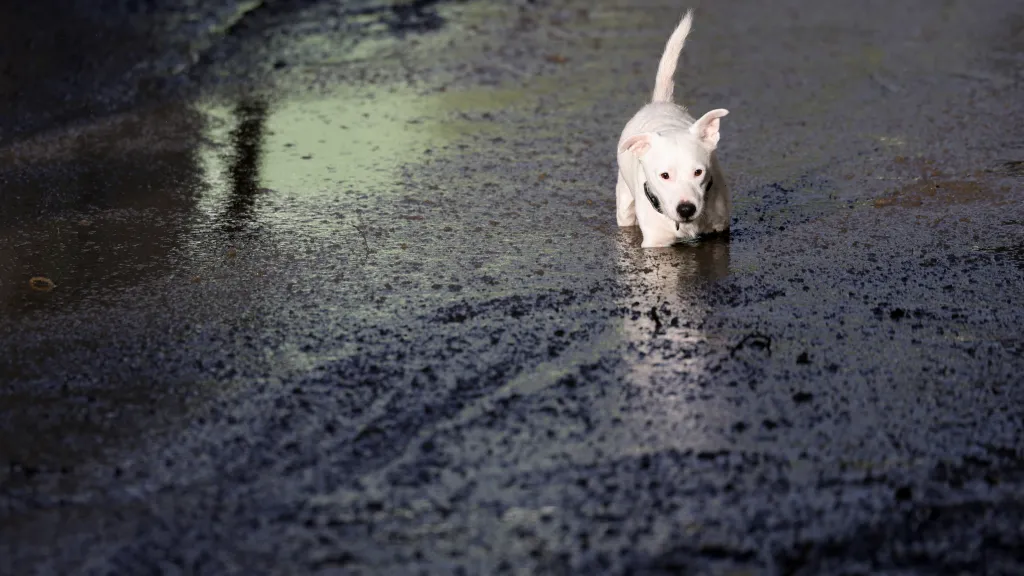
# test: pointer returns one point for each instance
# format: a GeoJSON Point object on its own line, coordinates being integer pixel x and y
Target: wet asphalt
{"type": "Point", "coordinates": [335, 287]}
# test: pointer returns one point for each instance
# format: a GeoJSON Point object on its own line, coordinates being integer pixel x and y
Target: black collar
{"type": "Point", "coordinates": [652, 198]}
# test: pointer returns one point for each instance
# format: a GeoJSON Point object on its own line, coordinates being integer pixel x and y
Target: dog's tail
{"type": "Point", "coordinates": [663, 84]}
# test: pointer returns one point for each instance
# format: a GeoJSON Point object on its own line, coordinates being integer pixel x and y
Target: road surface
{"type": "Point", "coordinates": [336, 287]}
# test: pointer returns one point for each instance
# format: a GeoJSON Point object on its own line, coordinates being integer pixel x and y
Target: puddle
{"type": "Point", "coordinates": [927, 184]}
{"type": "Point", "coordinates": [96, 209]}
{"type": "Point", "coordinates": [664, 342]}
{"type": "Point", "coordinates": [942, 192]}
{"type": "Point", "coordinates": [665, 304]}
{"type": "Point", "coordinates": [169, 191]}
{"type": "Point", "coordinates": [130, 215]}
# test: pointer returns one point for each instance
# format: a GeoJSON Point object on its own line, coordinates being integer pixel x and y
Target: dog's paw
{"type": "Point", "coordinates": [627, 221]}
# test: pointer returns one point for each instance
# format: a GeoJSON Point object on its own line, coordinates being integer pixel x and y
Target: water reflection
{"type": "Point", "coordinates": [670, 272]}
{"type": "Point", "coordinates": [665, 284]}
{"type": "Point", "coordinates": [243, 171]}
{"type": "Point", "coordinates": [665, 334]}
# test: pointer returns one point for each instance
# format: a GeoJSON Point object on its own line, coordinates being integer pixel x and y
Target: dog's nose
{"type": "Point", "coordinates": [686, 210]}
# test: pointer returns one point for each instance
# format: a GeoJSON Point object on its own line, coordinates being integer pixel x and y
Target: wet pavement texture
{"type": "Point", "coordinates": [336, 287]}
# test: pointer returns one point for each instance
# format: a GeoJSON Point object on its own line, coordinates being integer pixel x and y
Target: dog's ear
{"type": "Point", "coordinates": [706, 129]}
{"type": "Point", "coordinates": [638, 145]}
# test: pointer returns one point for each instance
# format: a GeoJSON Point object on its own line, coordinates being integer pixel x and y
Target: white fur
{"type": "Point", "coordinates": [662, 138]}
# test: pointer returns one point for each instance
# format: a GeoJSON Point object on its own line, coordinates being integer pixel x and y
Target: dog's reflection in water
{"type": "Point", "coordinates": [675, 268]}
{"type": "Point", "coordinates": [667, 301]}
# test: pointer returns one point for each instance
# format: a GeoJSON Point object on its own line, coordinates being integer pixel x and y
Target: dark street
{"type": "Point", "coordinates": [336, 287]}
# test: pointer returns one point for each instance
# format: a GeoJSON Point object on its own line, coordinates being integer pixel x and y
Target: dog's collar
{"type": "Point", "coordinates": [654, 199]}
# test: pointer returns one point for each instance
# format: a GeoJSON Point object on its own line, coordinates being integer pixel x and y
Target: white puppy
{"type": "Point", "coordinates": [669, 179]}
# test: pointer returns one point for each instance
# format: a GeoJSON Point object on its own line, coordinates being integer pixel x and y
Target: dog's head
{"type": "Point", "coordinates": [677, 165]}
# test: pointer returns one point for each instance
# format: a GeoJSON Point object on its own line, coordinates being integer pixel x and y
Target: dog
{"type": "Point", "coordinates": [670, 182]}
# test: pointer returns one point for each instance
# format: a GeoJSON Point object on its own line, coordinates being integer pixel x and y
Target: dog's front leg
{"type": "Point", "coordinates": [658, 240]}
{"type": "Point", "coordinates": [625, 204]}
{"type": "Point", "coordinates": [656, 234]}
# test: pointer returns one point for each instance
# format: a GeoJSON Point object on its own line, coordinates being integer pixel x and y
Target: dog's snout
{"type": "Point", "coordinates": [686, 210]}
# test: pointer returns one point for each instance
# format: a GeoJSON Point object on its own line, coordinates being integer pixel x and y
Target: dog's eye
{"type": "Point", "coordinates": [698, 172]}
{"type": "Point", "coordinates": [664, 175]}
